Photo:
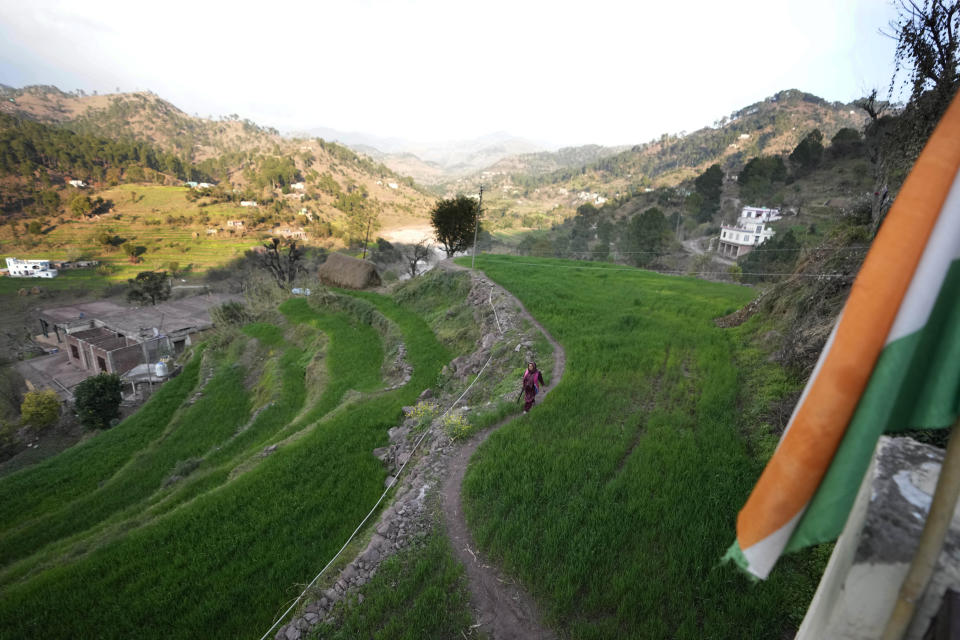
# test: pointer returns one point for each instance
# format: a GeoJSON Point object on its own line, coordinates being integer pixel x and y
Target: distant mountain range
{"type": "Point", "coordinates": [520, 176]}
{"type": "Point", "coordinates": [229, 148]}
{"type": "Point", "coordinates": [432, 163]}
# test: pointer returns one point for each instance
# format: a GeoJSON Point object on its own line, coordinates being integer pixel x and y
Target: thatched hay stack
{"type": "Point", "coordinates": [343, 271]}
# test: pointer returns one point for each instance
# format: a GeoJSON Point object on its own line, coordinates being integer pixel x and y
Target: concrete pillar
{"type": "Point", "coordinates": [872, 555]}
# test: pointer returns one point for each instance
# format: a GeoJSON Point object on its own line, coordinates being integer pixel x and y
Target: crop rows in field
{"type": "Point", "coordinates": [174, 524]}
{"type": "Point", "coordinates": [615, 500]}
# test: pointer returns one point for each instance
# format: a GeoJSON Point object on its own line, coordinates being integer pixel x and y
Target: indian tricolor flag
{"type": "Point", "coordinates": [891, 363]}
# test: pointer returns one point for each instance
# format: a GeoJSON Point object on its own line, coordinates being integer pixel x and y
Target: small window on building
{"type": "Point", "coordinates": [102, 364]}
{"type": "Point", "coordinates": [178, 346]}
{"type": "Point", "coordinates": [74, 351]}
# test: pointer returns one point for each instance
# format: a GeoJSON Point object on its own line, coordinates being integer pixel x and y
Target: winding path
{"type": "Point", "coordinates": [502, 608]}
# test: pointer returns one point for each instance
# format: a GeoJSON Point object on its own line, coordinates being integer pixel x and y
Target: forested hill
{"type": "Point", "coordinates": [108, 140]}
{"type": "Point", "coordinates": [223, 146]}
{"type": "Point", "coordinates": [773, 126]}
{"type": "Point", "coordinates": [546, 162]}
{"type": "Point", "coordinates": [141, 116]}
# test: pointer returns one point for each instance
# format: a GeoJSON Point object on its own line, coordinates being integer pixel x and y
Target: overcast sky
{"type": "Point", "coordinates": [596, 71]}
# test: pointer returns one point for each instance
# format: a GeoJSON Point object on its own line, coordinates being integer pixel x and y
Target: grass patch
{"type": "Point", "coordinates": [418, 593]}
{"type": "Point", "coordinates": [159, 218]}
{"type": "Point", "coordinates": [437, 296]}
{"type": "Point", "coordinates": [615, 499]}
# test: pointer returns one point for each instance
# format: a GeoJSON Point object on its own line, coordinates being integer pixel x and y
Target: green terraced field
{"type": "Point", "coordinates": [615, 499]}
{"type": "Point", "coordinates": [141, 214]}
{"type": "Point", "coordinates": [173, 524]}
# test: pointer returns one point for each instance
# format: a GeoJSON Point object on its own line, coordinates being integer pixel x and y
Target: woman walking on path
{"type": "Point", "coordinates": [532, 381]}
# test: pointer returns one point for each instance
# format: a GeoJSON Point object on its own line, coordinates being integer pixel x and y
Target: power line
{"type": "Point", "coordinates": [682, 273]}
{"type": "Point", "coordinates": [630, 253]}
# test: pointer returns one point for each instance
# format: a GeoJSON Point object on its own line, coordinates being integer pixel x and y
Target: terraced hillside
{"type": "Point", "coordinates": [194, 517]}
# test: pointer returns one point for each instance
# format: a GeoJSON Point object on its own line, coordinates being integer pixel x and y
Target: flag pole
{"type": "Point", "coordinates": [931, 540]}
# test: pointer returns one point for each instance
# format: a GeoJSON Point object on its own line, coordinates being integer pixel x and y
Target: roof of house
{"type": "Point", "coordinates": [168, 317]}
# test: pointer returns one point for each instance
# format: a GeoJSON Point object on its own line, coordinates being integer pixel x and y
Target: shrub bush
{"type": "Point", "coordinates": [40, 409]}
{"type": "Point", "coordinates": [97, 401]}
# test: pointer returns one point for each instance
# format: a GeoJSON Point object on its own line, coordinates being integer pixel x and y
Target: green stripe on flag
{"type": "Point", "coordinates": [735, 555]}
{"type": "Point", "coordinates": [915, 384]}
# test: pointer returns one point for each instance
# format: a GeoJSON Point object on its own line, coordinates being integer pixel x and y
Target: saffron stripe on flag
{"type": "Point", "coordinates": [815, 432]}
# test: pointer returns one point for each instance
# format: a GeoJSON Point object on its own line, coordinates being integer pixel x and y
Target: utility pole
{"type": "Point", "coordinates": [366, 239]}
{"type": "Point", "coordinates": [476, 227]}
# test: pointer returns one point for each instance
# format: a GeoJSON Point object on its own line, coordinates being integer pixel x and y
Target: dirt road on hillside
{"type": "Point", "coordinates": [693, 247]}
{"type": "Point", "coordinates": [502, 608]}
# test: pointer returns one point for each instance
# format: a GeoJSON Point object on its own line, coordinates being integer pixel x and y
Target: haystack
{"type": "Point", "coordinates": [343, 271]}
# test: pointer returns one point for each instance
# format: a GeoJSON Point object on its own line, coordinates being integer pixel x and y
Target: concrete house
{"type": "Point", "coordinates": [290, 232]}
{"type": "Point", "coordinates": [750, 231]}
{"type": "Point", "coordinates": [30, 268]}
{"type": "Point", "coordinates": [104, 337]}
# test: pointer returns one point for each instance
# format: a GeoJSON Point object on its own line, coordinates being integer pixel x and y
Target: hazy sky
{"type": "Point", "coordinates": [592, 71]}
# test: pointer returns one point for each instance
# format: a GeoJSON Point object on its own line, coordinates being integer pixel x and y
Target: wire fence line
{"type": "Point", "coordinates": [392, 484]}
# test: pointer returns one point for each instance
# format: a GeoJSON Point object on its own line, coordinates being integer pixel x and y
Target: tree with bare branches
{"type": "Point", "coordinates": [419, 254]}
{"type": "Point", "coordinates": [928, 42]}
{"type": "Point", "coordinates": [282, 259]}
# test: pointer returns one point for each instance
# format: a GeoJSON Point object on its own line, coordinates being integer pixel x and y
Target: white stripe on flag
{"type": "Point", "coordinates": [762, 555]}
{"type": "Point", "coordinates": [943, 247]}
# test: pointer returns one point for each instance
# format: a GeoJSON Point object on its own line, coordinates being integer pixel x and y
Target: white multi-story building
{"type": "Point", "coordinates": [760, 213]}
{"type": "Point", "coordinates": [752, 230]}
{"type": "Point", "coordinates": [30, 268]}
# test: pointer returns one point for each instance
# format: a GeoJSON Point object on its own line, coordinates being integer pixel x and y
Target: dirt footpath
{"type": "Point", "coordinates": [502, 608]}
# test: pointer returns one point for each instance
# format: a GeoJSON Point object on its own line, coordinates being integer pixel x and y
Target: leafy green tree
{"type": "Point", "coordinates": [709, 185]}
{"type": "Point", "coordinates": [149, 287]}
{"type": "Point", "coordinates": [49, 200]}
{"type": "Point", "coordinates": [81, 205]}
{"type": "Point", "coordinates": [845, 143]}
{"type": "Point", "coordinates": [759, 176]}
{"type": "Point", "coordinates": [454, 221]}
{"type": "Point", "coordinates": [34, 227]}
{"type": "Point", "coordinates": [97, 400]}
{"type": "Point", "coordinates": [40, 409]}
{"type": "Point", "coordinates": [134, 251]}
{"type": "Point", "coordinates": [647, 237]}
{"type": "Point", "coordinates": [808, 153]}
